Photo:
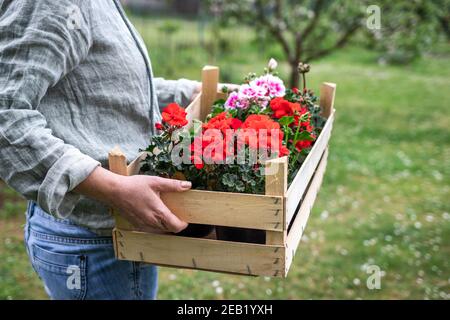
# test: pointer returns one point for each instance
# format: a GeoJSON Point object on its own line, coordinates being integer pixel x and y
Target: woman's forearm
{"type": "Point", "coordinates": [137, 198]}
{"type": "Point", "coordinates": [101, 185]}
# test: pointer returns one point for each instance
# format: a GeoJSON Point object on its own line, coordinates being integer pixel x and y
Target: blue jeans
{"type": "Point", "coordinates": [75, 263]}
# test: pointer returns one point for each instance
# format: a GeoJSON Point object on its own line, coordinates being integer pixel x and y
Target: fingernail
{"type": "Point", "coordinates": [186, 184]}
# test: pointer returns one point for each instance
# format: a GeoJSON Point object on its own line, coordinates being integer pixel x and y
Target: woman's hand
{"type": "Point", "coordinates": [137, 198]}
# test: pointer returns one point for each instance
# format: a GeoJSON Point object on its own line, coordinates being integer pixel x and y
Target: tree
{"type": "Point", "coordinates": [310, 29]}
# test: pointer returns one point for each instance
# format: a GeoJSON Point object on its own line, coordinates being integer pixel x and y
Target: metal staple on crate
{"type": "Point", "coordinates": [142, 256]}
{"type": "Point", "coordinates": [248, 270]}
{"type": "Point", "coordinates": [194, 263]}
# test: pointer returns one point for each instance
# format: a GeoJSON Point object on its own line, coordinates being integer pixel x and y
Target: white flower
{"type": "Point", "coordinates": [215, 283]}
{"type": "Point", "coordinates": [272, 65]}
{"type": "Point", "coordinates": [219, 290]}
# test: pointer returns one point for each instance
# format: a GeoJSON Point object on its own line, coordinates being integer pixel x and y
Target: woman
{"type": "Point", "coordinates": [75, 80]}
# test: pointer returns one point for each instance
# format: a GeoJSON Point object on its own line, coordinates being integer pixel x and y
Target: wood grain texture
{"type": "Point", "coordinates": [276, 185]}
{"type": "Point", "coordinates": [210, 81]}
{"type": "Point", "coordinates": [327, 96]}
{"type": "Point", "coordinates": [301, 180]}
{"type": "Point", "coordinates": [135, 166]}
{"type": "Point", "coordinates": [118, 164]}
{"type": "Point", "coordinates": [194, 109]}
{"type": "Point", "coordinates": [227, 209]}
{"type": "Point", "coordinates": [302, 215]}
{"type": "Point", "coordinates": [117, 161]}
{"type": "Point", "coordinates": [203, 254]}
{"type": "Point", "coordinates": [276, 237]}
{"type": "Point", "coordinates": [276, 173]}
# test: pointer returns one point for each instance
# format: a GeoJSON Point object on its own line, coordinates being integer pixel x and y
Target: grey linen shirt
{"type": "Point", "coordinates": [75, 81]}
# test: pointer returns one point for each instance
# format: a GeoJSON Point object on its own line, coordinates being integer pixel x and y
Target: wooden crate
{"type": "Point", "coordinates": [282, 212]}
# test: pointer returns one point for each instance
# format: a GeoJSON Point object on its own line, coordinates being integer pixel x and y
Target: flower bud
{"type": "Point", "coordinates": [303, 67]}
{"type": "Point", "coordinates": [272, 65]}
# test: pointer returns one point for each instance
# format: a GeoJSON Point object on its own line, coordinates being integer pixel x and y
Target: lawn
{"type": "Point", "coordinates": [384, 199]}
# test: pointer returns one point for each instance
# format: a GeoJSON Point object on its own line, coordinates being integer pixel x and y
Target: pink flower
{"type": "Point", "coordinates": [257, 92]}
{"type": "Point", "coordinates": [236, 100]}
{"type": "Point", "coordinates": [251, 92]}
{"type": "Point", "coordinates": [232, 100]}
{"type": "Point", "coordinates": [271, 85]}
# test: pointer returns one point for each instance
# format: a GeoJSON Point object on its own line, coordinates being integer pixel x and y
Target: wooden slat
{"type": "Point", "coordinates": [203, 254]}
{"type": "Point", "coordinates": [118, 164]}
{"type": "Point", "coordinates": [227, 209]}
{"type": "Point", "coordinates": [276, 171]}
{"type": "Point", "coordinates": [117, 161]}
{"type": "Point", "coordinates": [210, 81]}
{"type": "Point", "coordinates": [134, 167]}
{"type": "Point", "coordinates": [276, 237]}
{"type": "Point", "coordinates": [301, 180]}
{"type": "Point", "coordinates": [221, 95]}
{"type": "Point", "coordinates": [301, 218]}
{"type": "Point", "coordinates": [327, 95]}
{"type": "Point", "coordinates": [194, 109]}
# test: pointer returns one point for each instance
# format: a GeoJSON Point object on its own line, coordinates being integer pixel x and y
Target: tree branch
{"type": "Point", "coordinates": [310, 27]}
{"type": "Point", "coordinates": [276, 32]}
{"type": "Point", "coordinates": [302, 35]}
{"type": "Point", "coordinates": [342, 41]}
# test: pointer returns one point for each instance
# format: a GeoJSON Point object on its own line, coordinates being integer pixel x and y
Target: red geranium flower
{"type": "Point", "coordinates": [235, 123]}
{"type": "Point", "coordinates": [223, 121]}
{"type": "Point", "coordinates": [282, 108]}
{"type": "Point", "coordinates": [158, 126]}
{"type": "Point", "coordinates": [259, 122]}
{"type": "Point", "coordinates": [209, 148]}
{"type": "Point", "coordinates": [299, 113]}
{"type": "Point", "coordinates": [303, 144]}
{"type": "Point", "coordinates": [174, 115]}
{"type": "Point", "coordinates": [198, 162]}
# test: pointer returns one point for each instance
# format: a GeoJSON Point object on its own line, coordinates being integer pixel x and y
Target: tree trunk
{"type": "Point", "coordinates": [295, 76]}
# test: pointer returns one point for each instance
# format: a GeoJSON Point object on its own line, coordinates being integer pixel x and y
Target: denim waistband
{"type": "Point", "coordinates": [47, 227]}
{"type": "Point", "coordinates": [70, 240]}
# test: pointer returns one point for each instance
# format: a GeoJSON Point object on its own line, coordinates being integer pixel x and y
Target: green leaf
{"type": "Point", "coordinates": [302, 135]}
{"type": "Point", "coordinates": [240, 186]}
{"type": "Point", "coordinates": [287, 120]}
{"type": "Point", "coordinates": [229, 179]}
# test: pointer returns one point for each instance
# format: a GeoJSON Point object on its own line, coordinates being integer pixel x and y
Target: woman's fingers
{"type": "Point", "coordinates": [166, 220]}
{"type": "Point", "coordinates": [169, 185]}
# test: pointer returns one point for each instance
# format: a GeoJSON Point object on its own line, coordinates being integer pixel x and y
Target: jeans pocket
{"type": "Point", "coordinates": [64, 275]}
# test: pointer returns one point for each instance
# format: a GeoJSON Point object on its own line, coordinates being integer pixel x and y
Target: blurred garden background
{"type": "Point", "coordinates": [385, 197]}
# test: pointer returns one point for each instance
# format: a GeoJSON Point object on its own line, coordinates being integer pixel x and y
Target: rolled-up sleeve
{"type": "Point", "coordinates": [40, 42]}
{"type": "Point", "coordinates": [179, 91]}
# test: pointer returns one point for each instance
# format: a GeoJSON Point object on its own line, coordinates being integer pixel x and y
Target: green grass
{"type": "Point", "coordinates": [384, 200]}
